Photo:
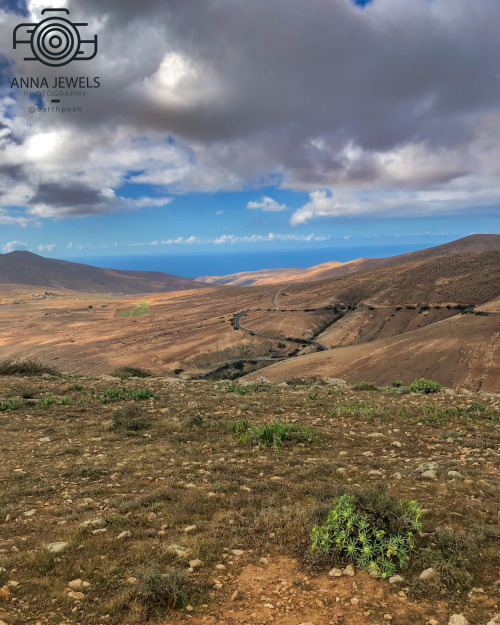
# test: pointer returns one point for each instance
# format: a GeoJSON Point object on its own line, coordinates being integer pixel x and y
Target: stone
{"type": "Point", "coordinates": [75, 584]}
{"type": "Point", "coordinates": [123, 535]}
{"type": "Point", "coordinates": [179, 551]}
{"type": "Point", "coordinates": [494, 621]}
{"type": "Point", "coordinates": [236, 595]}
{"type": "Point", "coordinates": [458, 619]}
{"type": "Point", "coordinates": [433, 621]}
{"type": "Point", "coordinates": [455, 475]}
{"type": "Point", "coordinates": [429, 475]}
{"type": "Point", "coordinates": [396, 579]}
{"type": "Point", "coordinates": [132, 581]}
{"type": "Point", "coordinates": [375, 473]}
{"type": "Point", "coordinates": [4, 592]}
{"type": "Point", "coordinates": [190, 528]}
{"type": "Point", "coordinates": [427, 466]}
{"type": "Point", "coordinates": [335, 573]}
{"type": "Point", "coordinates": [237, 552]}
{"type": "Point", "coordinates": [428, 575]}
{"type": "Point", "coordinates": [2, 622]}
{"type": "Point", "coordinates": [195, 564]}
{"type": "Point", "coordinates": [349, 570]}
{"type": "Point", "coordinates": [57, 547]}
{"type": "Point", "coordinates": [29, 513]}
{"type": "Point", "coordinates": [98, 522]}
{"type": "Point", "coordinates": [78, 596]}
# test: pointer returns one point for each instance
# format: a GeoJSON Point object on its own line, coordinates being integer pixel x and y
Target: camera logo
{"type": "Point", "coordinates": [55, 41]}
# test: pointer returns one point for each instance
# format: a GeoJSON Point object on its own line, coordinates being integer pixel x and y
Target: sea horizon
{"type": "Point", "coordinates": [194, 265]}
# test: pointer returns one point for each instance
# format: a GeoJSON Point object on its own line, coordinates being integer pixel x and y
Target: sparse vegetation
{"type": "Point", "coordinates": [424, 386]}
{"type": "Point", "coordinates": [130, 418]}
{"type": "Point", "coordinates": [124, 373]}
{"type": "Point", "coordinates": [29, 367]}
{"type": "Point", "coordinates": [365, 386]}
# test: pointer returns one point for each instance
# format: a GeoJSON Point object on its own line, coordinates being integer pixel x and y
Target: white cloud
{"type": "Point", "coordinates": [231, 239]}
{"type": "Point", "coordinates": [267, 204]}
{"type": "Point", "coordinates": [46, 248]}
{"type": "Point", "coordinates": [12, 246]}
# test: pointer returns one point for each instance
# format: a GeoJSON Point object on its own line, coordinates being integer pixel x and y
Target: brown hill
{"type": "Point", "coordinates": [472, 243]}
{"type": "Point", "coordinates": [31, 269]}
{"type": "Point", "coordinates": [463, 351]}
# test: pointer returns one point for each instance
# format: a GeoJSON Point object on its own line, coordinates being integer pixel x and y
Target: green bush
{"type": "Point", "coordinates": [424, 386]}
{"type": "Point", "coordinates": [124, 373]}
{"type": "Point", "coordinates": [365, 386]}
{"type": "Point", "coordinates": [159, 593]}
{"type": "Point", "coordinates": [371, 529]}
{"type": "Point", "coordinates": [270, 434]}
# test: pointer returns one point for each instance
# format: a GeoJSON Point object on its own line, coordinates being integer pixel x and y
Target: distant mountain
{"type": "Point", "coordinates": [31, 269]}
{"type": "Point", "coordinates": [472, 243]}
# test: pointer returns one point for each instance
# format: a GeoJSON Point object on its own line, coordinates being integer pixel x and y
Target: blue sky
{"type": "Point", "coordinates": [255, 126]}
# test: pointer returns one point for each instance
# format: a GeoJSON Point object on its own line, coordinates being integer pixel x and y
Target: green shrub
{"type": "Point", "coordinates": [271, 434]}
{"type": "Point", "coordinates": [46, 401]}
{"type": "Point", "coordinates": [424, 386]}
{"type": "Point", "coordinates": [30, 367]}
{"type": "Point", "coordinates": [364, 386]}
{"type": "Point", "coordinates": [371, 529]}
{"type": "Point", "coordinates": [7, 405]}
{"type": "Point", "coordinates": [398, 384]}
{"type": "Point", "coordinates": [124, 373]}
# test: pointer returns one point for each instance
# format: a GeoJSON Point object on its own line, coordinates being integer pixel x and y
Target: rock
{"type": "Point", "coordinates": [78, 596]}
{"type": "Point", "coordinates": [237, 552]}
{"type": "Point", "coordinates": [427, 466]}
{"type": "Point", "coordinates": [98, 522]}
{"type": "Point", "coordinates": [494, 621]}
{"type": "Point", "coordinates": [75, 584]}
{"type": "Point", "coordinates": [179, 551]}
{"type": "Point", "coordinates": [335, 573]}
{"type": "Point", "coordinates": [429, 475]}
{"type": "Point", "coordinates": [103, 530]}
{"type": "Point", "coordinates": [396, 444]}
{"type": "Point", "coordinates": [433, 621]}
{"type": "Point", "coordinates": [29, 513]}
{"type": "Point", "coordinates": [458, 619]}
{"type": "Point", "coordinates": [236, 595]}
{"type": "Point", "coordinates": [396, 579]}
{"type": "Point", "coordinates": [220, 567]}
{"type": "Point", "coordinates": [375, 473]}
{"type": "Point", "coordinates": [56, 547]}
{"type": "Point", "coordinates": [45, 439]}
{"type": "Point", "coordinates": [269, 606]}
{"type": "Point", "coordinates": [397, 475]}
{"type": "Point", "coordinates": [123, 535]}
{"type": "Point", "coordinates": [132, 581]}
{"type": "Point", "coordinates": [2, 622]}
{"type": "Point", "coordinates": [195, 564]}
{"type": "Point", "coordinates": [354, 601]}
{"type": "Point", "coordinates": [190, 528]}
{"type": "Point", "coordinates": [349, 570]}
{"type": "Point", "coordinates": [428, 575]}
{"type": "Point", "coordinates": [455, 475]}
{"type": "Point", "coordinates": [4, 592]}
{"type": "Point", "coordinates": [263, 560]}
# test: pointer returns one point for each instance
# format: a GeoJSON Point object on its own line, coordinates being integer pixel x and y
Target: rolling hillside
{"type": "Point", "coordinates": [473, 243]}
{"type": "Point", "coordinates": [31, 269]}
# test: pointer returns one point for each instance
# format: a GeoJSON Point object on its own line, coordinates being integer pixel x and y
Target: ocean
{"type": "Point", "coordinates": [222, 263]}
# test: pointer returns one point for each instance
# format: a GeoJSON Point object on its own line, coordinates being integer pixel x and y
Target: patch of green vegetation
{"type": "Point", "coordinates": [142, 310]}
{"type": "Point", "coordinates": [424, 386]}
{"type": "Point", "coordinates": [46, 401]}
{"type": "Point", "coordinates": [7, 405]}
{"type": "Point", "coordinates": [124, 373]}
{"type": "Point", "coordinates": [30, 367]}
{"type": "Point", "coordinates": [127, 313]}
{"type": "Point", "coordinates": [365, 386]}
{"type": "Point", "coordinates": [75, 387]}
{"type": "Point", "coordinates": [271, 434]}
{"type": "Point", "coordinates": [371, 529]}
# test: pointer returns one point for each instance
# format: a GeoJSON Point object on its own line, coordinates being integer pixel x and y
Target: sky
{"type": "Point", "coordinates": [255, 125]}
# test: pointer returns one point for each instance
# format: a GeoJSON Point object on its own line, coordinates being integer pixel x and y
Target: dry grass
{"type": "Point", "coordinates": [67, 464]}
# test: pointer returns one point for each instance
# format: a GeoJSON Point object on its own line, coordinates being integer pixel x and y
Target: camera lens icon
{"type": "Point", "coordinates": [55, 41]}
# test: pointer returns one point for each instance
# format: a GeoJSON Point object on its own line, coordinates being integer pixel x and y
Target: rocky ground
{"type": "Point", "coordinates": [131, 501]}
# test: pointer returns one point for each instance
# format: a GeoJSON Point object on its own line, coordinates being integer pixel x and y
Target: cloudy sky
{"type": "Point", "coordinates": [255, 124]}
